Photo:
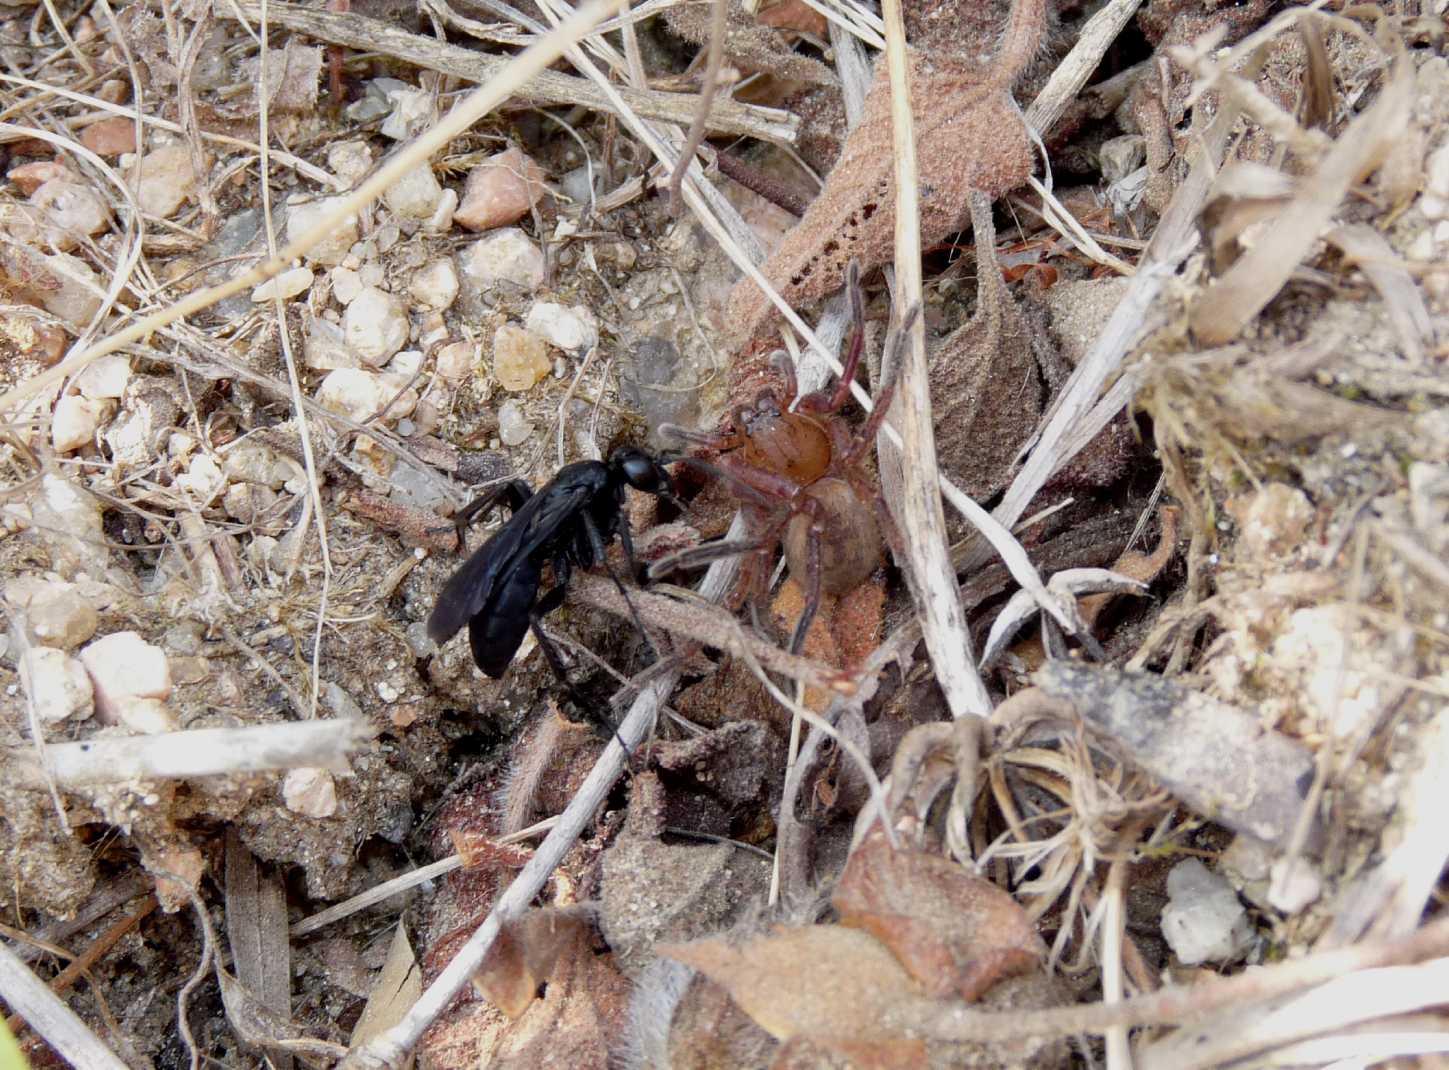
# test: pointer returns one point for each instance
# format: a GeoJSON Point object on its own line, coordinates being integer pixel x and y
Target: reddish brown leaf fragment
{"type": "Point", "coordinates": [523, 956]}
{"type": "Point", "coordinates": [969, 136]}
{"type": "Point", "coordinates": [954, 932]}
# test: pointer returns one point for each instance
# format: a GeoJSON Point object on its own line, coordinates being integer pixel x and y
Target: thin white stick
{"type": "Point", "coordinates": [943, 621]}
{"type": "Point", "coordinates": [1073, 71]}
{"type": "Point", "coordinates": [196, 752]}
{"type": "Point", "coordinates": [46, 1013]}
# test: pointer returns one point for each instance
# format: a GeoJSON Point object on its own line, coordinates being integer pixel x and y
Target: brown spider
{"type": "Point", "coordinates": [802, 482]}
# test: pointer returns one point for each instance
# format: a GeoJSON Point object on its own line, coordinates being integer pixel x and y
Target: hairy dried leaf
{"type": "Point", "coordinates": [969, 136]}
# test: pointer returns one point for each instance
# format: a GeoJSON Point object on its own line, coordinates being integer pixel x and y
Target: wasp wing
{"type": "Point", "coordinates": [476, 584]}
{"type": "Point", "coordinates": [495, 636]}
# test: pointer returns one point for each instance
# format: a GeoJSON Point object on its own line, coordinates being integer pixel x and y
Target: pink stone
{"type": "Point", "coordinates": [500, 191]}
{"type": "Point", "coordinates": [110, 137]}
{"type": "Point", "coordinates": [29, 177]}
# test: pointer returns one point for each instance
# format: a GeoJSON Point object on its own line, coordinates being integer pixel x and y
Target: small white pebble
{"type": "Point", "coordinates": [346, 285]}
{"type": "Point", "coordinates": [57, 683]}
{"type": "Point", "coordinates": [75, 422]}
{"type": "Point", "coordinates": [105, 377]}
{"type": "Point", "coordinates": [375, 326]}
{"type": "Point", "coordinates": [334, 246]}
{"type": "Point", "coordinates": [435, 284]}
{"type": "Point", "coordinates": [455, 361]}
{"type": "Point", "coordinates": [124, 667]}
{"type": "Point", "coordinates": [513, 426]}
{"type": "Point", "coordinates": [288, 284]}
{"type": "Point", "coordinates": [310, 792]}
{"type": "Point", "coordinates": [573, 329]}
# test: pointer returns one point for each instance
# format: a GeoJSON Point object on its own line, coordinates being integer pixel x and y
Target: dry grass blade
{"type": "Point", "coordinates": [933, 580]}
{"type": "Point", "coordinates": [725, 117]}
{"type": "Point", "coordinates": [1179, 1003]}
{"type": "Point", "coordinates": [1370, 252]}
{"type": "Point", "coordinates": [1231, 302]}
{"type": "Point", "coordinates": [1339, 1004]}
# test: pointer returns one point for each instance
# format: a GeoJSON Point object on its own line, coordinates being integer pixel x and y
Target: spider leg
{"type": "Point", "coordinates": [703, 554]}
{"type": "Point", "coordinates": [890, 374]}
{"type": "Point", "coordinates": [812, 580]}
{"type": "Point", "coordinates": [785, 365]}
{"type": "Point", "coordinates": [711, 440]}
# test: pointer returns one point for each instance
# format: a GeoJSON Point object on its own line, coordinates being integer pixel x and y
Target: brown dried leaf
{"type": "Point", "coordinates": [969, 136]}
{"type": "Point", "coordinates": [748, 43]}
{"type": "Point", "coordinates": [398, 985]}
{"type": "Point", "coordinates": [794, 15]}
{"type": "Point", "coordinates": [524, 953]}
{"type": "Point", "coordinates": [987, 387]}
{"type": "Point", "coordinates": [581, 1013]}
{"type": "Point", "coordinates": [954, 932]}
{"type": "Point", "coordinates": [821, 981]}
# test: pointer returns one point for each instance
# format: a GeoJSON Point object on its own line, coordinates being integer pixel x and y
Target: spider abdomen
{"type": "Point", "coordinates": [850, 543]}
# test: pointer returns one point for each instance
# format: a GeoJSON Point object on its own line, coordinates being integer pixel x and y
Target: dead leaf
{"type": "Point", "coordinates": [578, 1020]}
{"type": "Point", "coordinates": [969, 137]}
{"type": "Point", "coordinates": [749, 44]}
{"type": "Point", "coordinates": [821, 981]}
{"type": "Point", "coordinates": [524, 953]}
{"type": "Point", "coordinates": [954, 932]}
{"type": "Point", "coordinates": [397, 987]}
{"type": "Point", "coordinates": [292, 78]}
{"type": "Point", "coordinates": [260, 1026]}
{"type": "Point", "coordinates": [794, 15]}
{"type": "Point", "coordinates": [256, 928]}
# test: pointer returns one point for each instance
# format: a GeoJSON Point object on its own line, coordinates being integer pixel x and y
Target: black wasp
{"type": "Point", "coordinates": [569, 523]}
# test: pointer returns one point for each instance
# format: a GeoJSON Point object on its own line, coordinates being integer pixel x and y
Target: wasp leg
{"type": "Point", "coordinates": [600, 552]}
{"type": "Point", "coordinates": [511, 494]}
